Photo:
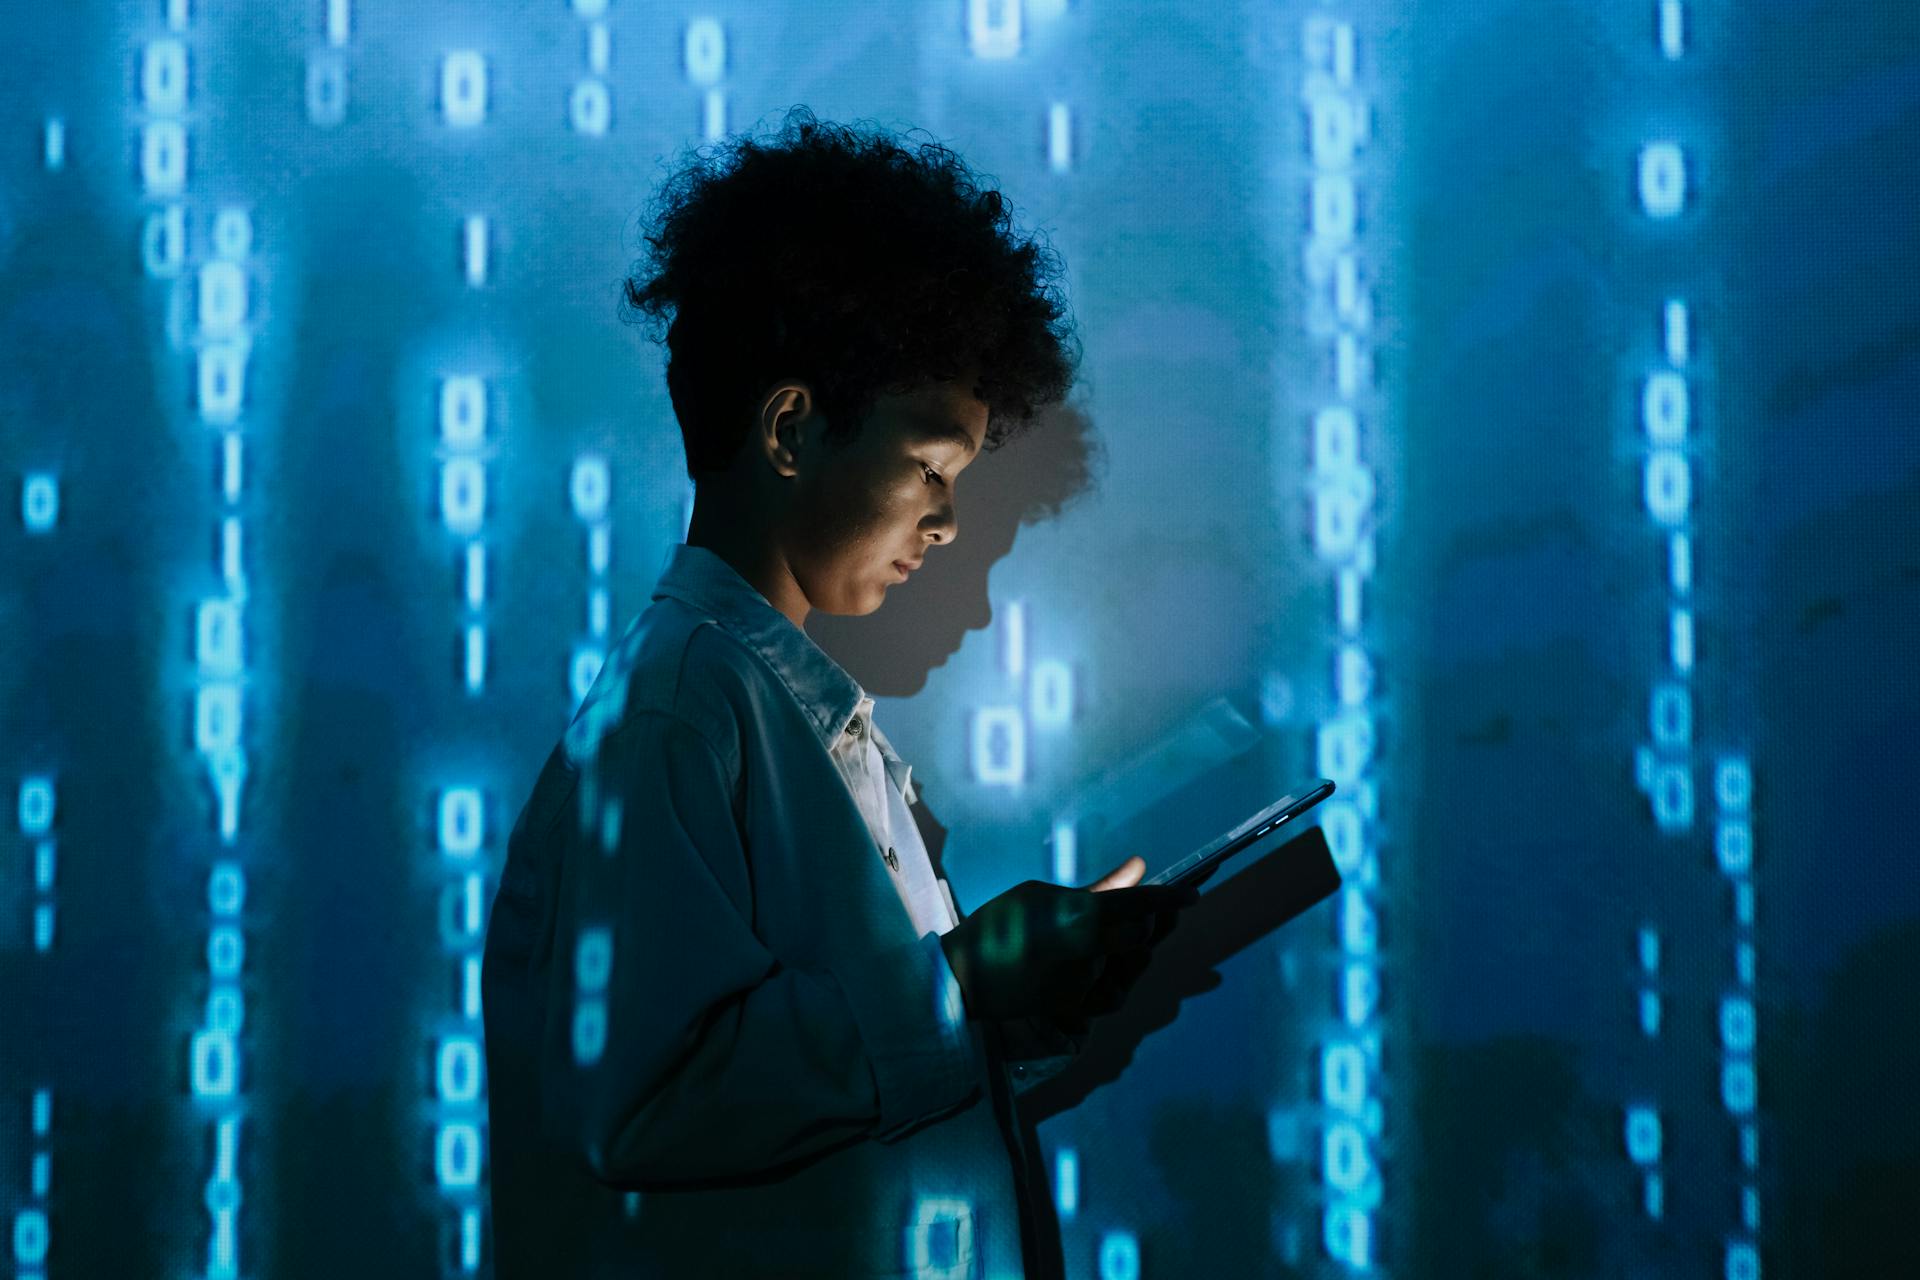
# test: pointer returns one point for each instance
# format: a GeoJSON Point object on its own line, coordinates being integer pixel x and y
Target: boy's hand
{"type": "Point", "coordinates": [1060, 953]}
{"type": "Point", "coordinates": [1124, 969]}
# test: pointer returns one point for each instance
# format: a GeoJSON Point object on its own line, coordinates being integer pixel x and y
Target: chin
{"type": "Point", "coordinates": [854, 608]}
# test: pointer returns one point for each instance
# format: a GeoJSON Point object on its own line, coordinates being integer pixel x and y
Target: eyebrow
{"type": "Point", "coordinates": [936, 431]}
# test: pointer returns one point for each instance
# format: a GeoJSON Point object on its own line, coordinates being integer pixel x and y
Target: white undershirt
{"type": "Point", "coordinates": [926, 898]}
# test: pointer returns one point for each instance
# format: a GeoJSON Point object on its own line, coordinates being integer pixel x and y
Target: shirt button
{"type": "Point", "coordinates": [853, 726]}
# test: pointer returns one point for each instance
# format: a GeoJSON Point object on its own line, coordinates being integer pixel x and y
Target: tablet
{"type": "Point", "coordinates": [1204, 861]}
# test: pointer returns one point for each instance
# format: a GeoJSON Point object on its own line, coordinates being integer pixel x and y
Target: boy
{"type": "Point", "coordinates": [720, 971]}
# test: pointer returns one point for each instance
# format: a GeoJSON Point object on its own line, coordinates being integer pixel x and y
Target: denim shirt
{"type": "Point", "coordinates": [722, 1037]}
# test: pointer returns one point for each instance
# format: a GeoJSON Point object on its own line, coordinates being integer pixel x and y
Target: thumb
{"type": "Point", "coordinates": [1124, 876]}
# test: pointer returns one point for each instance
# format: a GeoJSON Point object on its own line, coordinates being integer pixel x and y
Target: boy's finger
{"type": "Point", "coordinates": [1124, 876]}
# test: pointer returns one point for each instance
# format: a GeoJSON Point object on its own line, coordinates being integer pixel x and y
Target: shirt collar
{"type": "Point", "coordinates": [701, 580]}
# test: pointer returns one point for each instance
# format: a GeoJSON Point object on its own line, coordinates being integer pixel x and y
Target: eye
{"type": "Point", "coordinates": [929, 471]}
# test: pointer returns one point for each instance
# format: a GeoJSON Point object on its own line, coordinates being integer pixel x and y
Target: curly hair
{"type": "Point", "coordinates": [851, 262]}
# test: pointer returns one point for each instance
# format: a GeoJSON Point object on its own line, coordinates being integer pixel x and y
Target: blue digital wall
{"type": "Point", "coordinates": [1503, 409]}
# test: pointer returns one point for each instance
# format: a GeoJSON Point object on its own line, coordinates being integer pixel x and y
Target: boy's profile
{"type": "Point", "coordinates": [735, 1022]}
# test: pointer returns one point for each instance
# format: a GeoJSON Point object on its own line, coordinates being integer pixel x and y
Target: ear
{"type": "Point", "coordinates": [785, 426]}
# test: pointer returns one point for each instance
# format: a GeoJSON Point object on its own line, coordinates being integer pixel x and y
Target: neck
{"type": "Point", "coordinates": [736, 531]}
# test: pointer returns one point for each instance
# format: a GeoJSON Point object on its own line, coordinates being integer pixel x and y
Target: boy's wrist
{"type": "Point", "coordinates": [955, 962]}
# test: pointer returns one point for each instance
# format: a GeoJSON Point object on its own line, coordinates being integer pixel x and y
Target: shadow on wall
{"type": "Point", "coordinates": [1028, 480]}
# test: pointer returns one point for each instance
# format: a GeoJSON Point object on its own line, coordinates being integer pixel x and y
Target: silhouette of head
{"type": "Point", "coordinates": [853, 322]}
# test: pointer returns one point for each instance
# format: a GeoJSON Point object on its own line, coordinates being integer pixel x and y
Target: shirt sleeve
{"type": "Point", "coordinates": [1036, 1050]}
{"type": "Point", "coordinates": [678, 1048]}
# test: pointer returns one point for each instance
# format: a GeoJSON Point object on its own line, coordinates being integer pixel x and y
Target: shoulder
{"type": "Point", "coordinates": [676, 665]}
{"type": "Point", "coordinates": [720, 686]}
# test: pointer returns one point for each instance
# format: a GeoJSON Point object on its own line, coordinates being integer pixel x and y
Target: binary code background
{"type": "Point", "coordinates": [1504, 409]}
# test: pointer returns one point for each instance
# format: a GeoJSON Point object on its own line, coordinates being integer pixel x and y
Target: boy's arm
{"type": "Point", "coordinates": [1037, 1051]}
{"type": "Point", "coordinates": [677, 1048]}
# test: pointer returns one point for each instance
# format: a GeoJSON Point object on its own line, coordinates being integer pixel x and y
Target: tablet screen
{"type": "Point", "coordinates": [1204, 860]}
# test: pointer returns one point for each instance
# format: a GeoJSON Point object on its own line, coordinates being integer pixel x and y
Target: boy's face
{"type": "Point", "coordinates": [849, 511]}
